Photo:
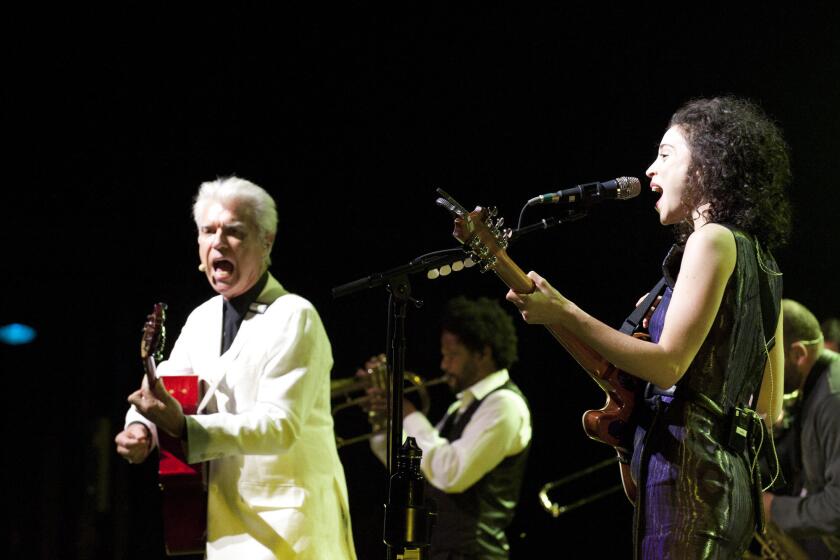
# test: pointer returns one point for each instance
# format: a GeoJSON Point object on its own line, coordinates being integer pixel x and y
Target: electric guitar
{"type": "Point", "coordinates": [183, 488]}
{"type": "Point", "coordinates": [614, 423]}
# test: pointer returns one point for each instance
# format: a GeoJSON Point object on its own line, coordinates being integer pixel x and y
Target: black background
{"type": "Point", "coordinates": [351, 118]}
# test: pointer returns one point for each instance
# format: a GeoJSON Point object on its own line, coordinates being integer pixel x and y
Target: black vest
{"type": "Point", "coordinates": [472, 523]}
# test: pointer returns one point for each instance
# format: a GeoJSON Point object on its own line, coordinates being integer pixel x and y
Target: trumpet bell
{"type": "Point", "coordinates": [351, 392]}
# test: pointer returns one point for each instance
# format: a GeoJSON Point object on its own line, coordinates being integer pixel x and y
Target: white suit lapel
{"type": "Point", "coordinates": [222, 366]}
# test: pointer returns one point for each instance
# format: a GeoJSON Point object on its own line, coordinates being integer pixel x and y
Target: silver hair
{"type": "Point", "coordinates": [257, 205]}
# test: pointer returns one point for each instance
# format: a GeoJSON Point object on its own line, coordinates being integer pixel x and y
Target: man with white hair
{"type": "Point", "coordinates": [276, 487]}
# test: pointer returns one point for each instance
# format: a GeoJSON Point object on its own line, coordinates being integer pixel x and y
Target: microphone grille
{"type": "Point", "coordinates": [628, 187]}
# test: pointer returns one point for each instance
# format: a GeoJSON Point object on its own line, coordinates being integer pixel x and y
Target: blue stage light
{"type": "Point", "coordinates": [16, 334]}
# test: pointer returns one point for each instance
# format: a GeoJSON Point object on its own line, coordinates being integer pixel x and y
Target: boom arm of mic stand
{"type": "Point", "coordinates": [543, 225]}
{"type": "Point", "coordinates": [420, 264]}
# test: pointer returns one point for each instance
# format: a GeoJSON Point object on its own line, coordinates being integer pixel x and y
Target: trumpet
{"type": "Point", "coordinates": [775, 544]}
{"type": "Point", "coordinates": [351, 393]}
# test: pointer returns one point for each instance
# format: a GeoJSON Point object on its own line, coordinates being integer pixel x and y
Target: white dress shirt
{"type": "Point", "coordinates": [500, 427]}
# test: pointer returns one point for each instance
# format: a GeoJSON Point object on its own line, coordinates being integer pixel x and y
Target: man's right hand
{"type": "Point", "coordinates": [134, 443]}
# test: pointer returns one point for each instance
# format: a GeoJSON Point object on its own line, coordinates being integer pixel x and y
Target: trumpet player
{"type": "Point", "coordinates": [474, 457]}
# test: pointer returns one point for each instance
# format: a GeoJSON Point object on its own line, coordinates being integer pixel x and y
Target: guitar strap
{"type": "Point", "coordinates": [634, 320]}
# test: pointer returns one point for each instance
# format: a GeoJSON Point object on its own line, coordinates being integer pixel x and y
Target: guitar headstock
{"type": "Point", "coordinates": [479, 231]}
{"type": "Point", "coordinates": [154, 334]}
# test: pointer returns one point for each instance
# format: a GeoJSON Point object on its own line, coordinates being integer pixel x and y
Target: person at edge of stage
{"type": "Point", "coordinates": [276, 486]}
{"type": "Point", "coordinates": [474, 458]}
{"type": "Point", "coordinates": [810, 512]}
{"type": "Point", "coordinates": [712, 366]}
{"type": "Point", "coordinates": [831, 331]}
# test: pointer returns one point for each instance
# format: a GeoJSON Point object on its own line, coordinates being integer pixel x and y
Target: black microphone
{"type": "Point", "coordinates": [621, 188]}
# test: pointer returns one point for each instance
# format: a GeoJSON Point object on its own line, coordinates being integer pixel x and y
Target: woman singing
{"type": "Point", "coordinates": [712, 363]}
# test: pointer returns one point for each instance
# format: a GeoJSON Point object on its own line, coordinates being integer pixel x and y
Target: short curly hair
{"type": "Point", "coordinates": [740, 164]}
{"type": "Point", "coordinates": [479, 323]}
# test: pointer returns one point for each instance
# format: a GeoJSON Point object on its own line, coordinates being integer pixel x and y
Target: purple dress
{"type": "Point", "coordinates": [697, 496]}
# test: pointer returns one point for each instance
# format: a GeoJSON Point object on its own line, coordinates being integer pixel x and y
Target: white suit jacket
{"type": "Point", "coordinates": [276, 486]}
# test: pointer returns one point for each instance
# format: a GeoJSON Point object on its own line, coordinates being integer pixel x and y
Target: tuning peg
{"type": "Point", "coordinates": [489, 264]}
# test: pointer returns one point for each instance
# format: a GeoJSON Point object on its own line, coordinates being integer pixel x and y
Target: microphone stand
{"type": "Point", "coordinates": [546, 223]}
{"type": "Point", "coordinates": [408, 522]}
{"type": "Point", "coordinates": [400, 291]}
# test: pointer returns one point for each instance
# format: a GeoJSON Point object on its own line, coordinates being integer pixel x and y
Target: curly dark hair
{"type": "Point", "coordinates": [739, 164]}
{"type": "Point", "coordinates": [479, 323]}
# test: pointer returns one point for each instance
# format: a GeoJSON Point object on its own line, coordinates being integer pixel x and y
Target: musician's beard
{"type": "Point", "coordinates": [793, 379]}
{"type": "Point", "coordinates": [467, 377]}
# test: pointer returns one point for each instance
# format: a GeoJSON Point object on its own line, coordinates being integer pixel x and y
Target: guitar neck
{"type": "Point", "coordinates": [515, 279]}
{"type": "Point", "coordinates": [151, 371]}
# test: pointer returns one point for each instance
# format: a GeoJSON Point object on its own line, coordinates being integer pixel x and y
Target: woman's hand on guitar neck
{"type": "Point", "coordinates": [159, 407]}
{"type": "Point", "coordinates": [543, 306]}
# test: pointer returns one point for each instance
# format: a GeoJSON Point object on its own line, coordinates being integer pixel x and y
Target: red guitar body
{"type": "Point", "coordinates": [183, 487]}
{"type": "Point", "coordinates": [612, 424]}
